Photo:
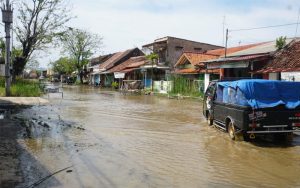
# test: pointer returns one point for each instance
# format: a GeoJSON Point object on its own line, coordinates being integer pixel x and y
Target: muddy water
{"type": "Point", "coordinates": [145, 141]}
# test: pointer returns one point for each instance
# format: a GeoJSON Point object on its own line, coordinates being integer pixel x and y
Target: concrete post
{"type": "Point", "coordinates": [7, 19]}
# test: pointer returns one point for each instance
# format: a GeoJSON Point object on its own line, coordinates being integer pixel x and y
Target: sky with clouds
{"type": "Point", "coordinates": [132, 23]}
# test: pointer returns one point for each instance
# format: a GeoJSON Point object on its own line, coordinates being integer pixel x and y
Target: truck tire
{"type": "Point", "coordinates": [210, 121]}
{"type": "Point", "coordinates": [231, 130]}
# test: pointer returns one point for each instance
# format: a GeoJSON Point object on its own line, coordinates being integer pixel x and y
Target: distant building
{"type": "Point", "coordinates": [93, 68]}
{"type": "Point", "coordinates": [101, 72]}
{"type": "Point", "coordinates": [169, 49]}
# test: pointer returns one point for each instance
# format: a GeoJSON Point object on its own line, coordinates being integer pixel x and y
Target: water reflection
{"type": "Point", "coordinates": [146, 141]}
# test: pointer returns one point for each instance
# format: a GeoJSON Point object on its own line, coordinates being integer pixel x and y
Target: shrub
{"type": "Point", "coordinates": [114, 85]}
{"type": "Point", "coordinates": [22, 88]}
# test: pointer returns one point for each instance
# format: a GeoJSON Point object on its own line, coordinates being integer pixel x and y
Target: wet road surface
{"type": "Point", "coordinates": [112, 140]}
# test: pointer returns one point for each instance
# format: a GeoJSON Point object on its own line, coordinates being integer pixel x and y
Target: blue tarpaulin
{"type": "Point", "coordinates": [261, 93]}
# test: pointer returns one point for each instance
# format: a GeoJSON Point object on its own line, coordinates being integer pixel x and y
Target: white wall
{"type": "Point", "coordinates": [273, 76]}
{"type": "Point", "coordinates": [288, 76]}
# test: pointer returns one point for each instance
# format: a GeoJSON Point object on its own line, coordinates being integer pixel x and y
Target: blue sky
{"type": "Point", "coordinates": [132, 23]}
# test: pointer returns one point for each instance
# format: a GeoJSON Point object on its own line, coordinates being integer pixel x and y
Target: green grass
{"type": "Point", "coordinates": [22, 88]}
{"type": "Point", "coordinates": [185, 87]}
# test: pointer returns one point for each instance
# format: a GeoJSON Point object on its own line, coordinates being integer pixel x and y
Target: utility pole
{"type": "Point", "coordinates": [7, 19]}
{"type": "Point", "coordinates": [226, 43]}
{"type": "Point", "coordinates": [223, 30]}
{"type": "Point", "coordinates": [297, 23]}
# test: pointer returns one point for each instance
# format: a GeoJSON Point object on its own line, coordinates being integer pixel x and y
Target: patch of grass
{"type": "Point", "coordinates": [22, 88]}
{"type": "Point", "coordinates": [185, 87]}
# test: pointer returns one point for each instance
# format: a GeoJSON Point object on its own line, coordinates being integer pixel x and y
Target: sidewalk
{"type": "Point", "coordinates": [6, 102]}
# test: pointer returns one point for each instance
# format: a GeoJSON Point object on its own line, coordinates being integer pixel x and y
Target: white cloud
{"type": "Point", "coordinates": [131, 23]}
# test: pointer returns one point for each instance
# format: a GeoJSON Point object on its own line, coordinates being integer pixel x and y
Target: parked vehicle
{"type": "Point", "coordinates": [247, 108]}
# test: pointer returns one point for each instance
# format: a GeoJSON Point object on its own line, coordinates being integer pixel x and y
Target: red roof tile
{"type": "Point", "coordinates": [285, 60]}
{"type": "Point", "coordinates": [194, 58]}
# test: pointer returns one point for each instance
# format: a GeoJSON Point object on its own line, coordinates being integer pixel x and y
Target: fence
{"type": "Point", "coordinates": [188, 87]}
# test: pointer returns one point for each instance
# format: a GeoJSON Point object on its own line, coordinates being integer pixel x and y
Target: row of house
{"type": "Point", "coordinates": [198, 61]}
{"type": "Point", "coordinates": [133, 65]}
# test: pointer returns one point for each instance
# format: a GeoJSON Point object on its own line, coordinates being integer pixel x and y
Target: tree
{"type": "Point", "coordinates": [280, 42]}
{"type": "Point", "coordinates": [64, 65]}
{"type": "Point", "coordinates": [39, 22]}
{"type": "Point", "coordinates": [2, 51]}
{"type": "Point", "coordinates": [33, 65]}
{"type": "Point", "coordinates": [80, 45]}
{"type": "Point", "coordinates": [153, 57]}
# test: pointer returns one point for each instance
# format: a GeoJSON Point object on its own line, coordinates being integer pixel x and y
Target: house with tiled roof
{"type": "Point", "coordinates": [93, 68]}
{"type": "Point", "coordinates": [106, 76]}
{"type": "Point", "coordinates": [243, 63]}
{"type": "Point", "coordinates": [190, 64]}
{"type": "Point", "coordinates": [285, 64]}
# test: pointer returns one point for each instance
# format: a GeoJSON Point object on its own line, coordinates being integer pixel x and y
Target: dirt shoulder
{"type": "Point", "coordinates": [10, 173]}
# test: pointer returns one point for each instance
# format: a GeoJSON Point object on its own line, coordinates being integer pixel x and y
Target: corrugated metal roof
{"type": "Point", "coordinates": [221, 51]}
{"type": "Point", "coordinates": [235, 59]}
{"type": "Point", "coordinates": [263, 48]}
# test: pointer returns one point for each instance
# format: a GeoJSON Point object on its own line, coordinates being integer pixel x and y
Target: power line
{"type": "Point", "coordinates": [264, 27]}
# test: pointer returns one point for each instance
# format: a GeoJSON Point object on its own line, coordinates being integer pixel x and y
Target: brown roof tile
{"type": "Point", "coordinates": [111, 62]}
{"type": "Point", "coordinates": [194, 58]}
{"type": "Point", "coordinates": [285, 60]}
{"type": "Point", "coordinates": [100, 59]}
{"type": "Point", "coordinates": [133, 62]}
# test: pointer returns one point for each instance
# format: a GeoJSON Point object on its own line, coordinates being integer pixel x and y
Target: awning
{"type": "Point", "coordinates": [233, 62]}
{"type": "Point", "coordinates": [154, 67]}
{"type": "Point", "coordinates": [195, 71]}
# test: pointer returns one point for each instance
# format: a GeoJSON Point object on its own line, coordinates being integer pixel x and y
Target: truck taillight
{"type": "Point", "coordinates": [296, 124]}
{"type": "Point", "coordinates": [254, 125]}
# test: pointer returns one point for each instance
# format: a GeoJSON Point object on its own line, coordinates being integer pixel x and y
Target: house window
{"type": "Point", "coordinates": [178, 47]}
{"type": "Point", "coordinates": [197, 49]}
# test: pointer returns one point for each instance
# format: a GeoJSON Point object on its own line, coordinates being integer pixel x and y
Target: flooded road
{"type": "Point", "coordinates": [107, 139]}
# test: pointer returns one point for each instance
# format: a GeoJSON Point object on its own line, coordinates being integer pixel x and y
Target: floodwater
{"type": "Point", "coordinates": [106, 139]}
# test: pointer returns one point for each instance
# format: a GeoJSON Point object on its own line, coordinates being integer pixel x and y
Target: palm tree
{"type": "Point", "coordinates": [153, 57]}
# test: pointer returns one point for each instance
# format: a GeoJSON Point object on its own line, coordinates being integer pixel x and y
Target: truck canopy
{"type": "Point", "coordinates": [260, 93]}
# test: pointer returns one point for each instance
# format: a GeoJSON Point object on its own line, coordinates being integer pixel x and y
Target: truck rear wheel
{"type": "Point", "coordinates": [231, 131]}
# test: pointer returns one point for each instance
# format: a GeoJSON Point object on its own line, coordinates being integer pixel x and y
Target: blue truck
{"type": "Point", "coordinates": [251, 107]}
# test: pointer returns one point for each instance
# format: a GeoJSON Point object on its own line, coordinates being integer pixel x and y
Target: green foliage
{"type": "Point", "coordinates": [22, 88]}
{"type": "Point", "coordinates": [64, 65]}
{"type": "Point", "coordinates": [153, 57]}
{"type": "Point", "coordinates": [39, 23]}
{"type": "Point", "coordinates": [184, 86]}
{"type": "Point", "coordinates": [114, 84]}
{"type": "Point", "coordinates": [80, 45]}
{"type": "Point", "coordinates": [280, 42]}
